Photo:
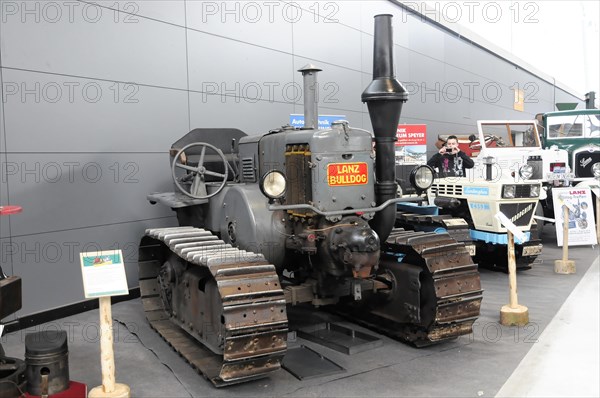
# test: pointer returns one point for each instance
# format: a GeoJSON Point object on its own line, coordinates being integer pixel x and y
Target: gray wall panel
{"type": "Point", "coordinates": [171, 11]}
{"type": "Point", "coordinates": [544, 105]}
{"type": "Point", "coordinates": [237, 69]}
{"type": "Point", "coordinates": [345, 47]}
{"type": "Point", "coordinates": [425, 70]}
{"type": "Point", "coordinates": [545, 101]}
{"type": "Point", "coordinates": [147, 51]}
{"type": "Point", "coordinates": [489, 110]}
{"type": "Point", "coordinates": [501, 72]}
{"type": "Point", "coordinates": [496, 95]}
{"type": "Point", "coordinates": [347, 12]}
{"type": "Point", "coordinates": [240, 113]}
{"type": "Point", "coordinates": [455, 111]}
{"type": "Point", "coordinates": [68, 114]}
{"type": "Point", "coordinates": [459, 90]}
{"type": "Point", "coordinates": [456, 53]}
{"type": "Point", "coordinates": [2, 147]}
{"type": "Point", "coordinates": [49, 263]}
{"type": "Point", "coordinates": [367, 54]}
{"type": "Point", "coordinates": [65, 191]}
{"type": "Point", "coordinates": [266, 24]}
{"type": "Point", "coordinates": [561, 96]}
{"type": "Point", "coordinates": [339, 88]}
{"type": "Point", "coordinates": [428, 42]}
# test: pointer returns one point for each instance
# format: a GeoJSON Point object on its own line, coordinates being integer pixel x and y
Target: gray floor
{"type": "Point", "coordinates": [565, 363]}
{"type": "Point", "coordinates": [524, 358]}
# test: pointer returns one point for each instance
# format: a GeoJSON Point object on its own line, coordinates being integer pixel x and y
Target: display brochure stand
{"type": "Point", "coordinates": [104, 276]}
{"type": "Point", "coordinates": [565, 266]}
{"type": "Point", "coordinates": [512, 314]}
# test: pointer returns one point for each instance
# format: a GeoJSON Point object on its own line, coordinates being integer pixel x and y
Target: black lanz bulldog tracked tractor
{"type": "Point", "coordinates": [298, 216]}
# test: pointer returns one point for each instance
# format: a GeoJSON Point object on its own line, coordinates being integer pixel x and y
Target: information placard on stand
{"type": "Point", "coordinates": [103, 274]}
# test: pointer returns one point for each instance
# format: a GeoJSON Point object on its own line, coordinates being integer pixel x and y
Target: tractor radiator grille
{"type": "Point", "coordinates": [298, 174]}
{"type": "Point", "coordinates": [519, 213]}
{"type": "Point", "coordinates": [248, 169]}
{"type": "Point", "coordinates": [443, 189]}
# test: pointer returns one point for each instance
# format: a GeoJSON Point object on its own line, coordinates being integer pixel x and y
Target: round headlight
{"type": "Point", "coordinates": [273, 184]}
{"type": "Point", "coordinates": [526, 171]}
{"type": "Point", "coordinates": [421, 177]}
{"type": "Point", "coordinates": [596, 170]}
{"type": "Point", "coordinates": [508, 191]}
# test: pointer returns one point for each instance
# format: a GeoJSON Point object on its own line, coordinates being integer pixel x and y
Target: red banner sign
{"type": "Point", "coordinates": [411, 134]}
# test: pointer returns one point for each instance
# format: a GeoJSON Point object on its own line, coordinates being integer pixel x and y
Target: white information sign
{"type": "Point", "coordinates": [582, 229]}
{"type": "Point", "coordinates": [103, 274]}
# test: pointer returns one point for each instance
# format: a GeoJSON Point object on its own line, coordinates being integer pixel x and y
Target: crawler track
{"type": "Point", "coordinates": [240, 333]}
{"type": "Point", "coordinates": [223, 310]}
{"type": "Point", "coordinates": [450, 294]}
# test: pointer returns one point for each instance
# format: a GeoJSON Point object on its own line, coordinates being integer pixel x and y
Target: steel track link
{"type": "Point", "coordinates": [253, 329]}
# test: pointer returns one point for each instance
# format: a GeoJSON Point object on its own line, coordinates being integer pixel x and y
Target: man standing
{"type": "Point", "coordinates": [450, 161]}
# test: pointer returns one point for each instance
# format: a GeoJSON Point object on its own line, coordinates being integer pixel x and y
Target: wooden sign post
{"type": "Point", "coordinates": [513, 314]}
{"type": "Point", "coordinates": [565, 266]}
{"type": "Point", "coordinates": [103, 277]}
{"type": "Point", "coordinates": [107, 358]}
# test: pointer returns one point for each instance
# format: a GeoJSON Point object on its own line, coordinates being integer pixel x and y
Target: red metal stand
{"type": "Point", "coordinates": [75, 390]}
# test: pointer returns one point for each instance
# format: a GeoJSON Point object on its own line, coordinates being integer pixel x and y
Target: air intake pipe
{"type": "Point", "coordinates": [384, 98]}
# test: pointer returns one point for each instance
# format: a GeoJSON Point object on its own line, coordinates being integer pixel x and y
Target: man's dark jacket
{"type": "Point", "coordinates": [449, 165]}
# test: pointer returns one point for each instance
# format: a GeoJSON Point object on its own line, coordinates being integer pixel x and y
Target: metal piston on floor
{"type": "Point", "coordinates": [46, 357]}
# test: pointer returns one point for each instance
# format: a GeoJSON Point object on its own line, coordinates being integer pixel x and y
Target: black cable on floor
{"type": "Point", "coordinates": [155, 354]}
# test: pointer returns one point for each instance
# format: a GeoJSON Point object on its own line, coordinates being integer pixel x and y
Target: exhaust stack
{"type": "Point", "coordinates": [311, 101]}
{"type": "Point", "coordinates": [384, 98]}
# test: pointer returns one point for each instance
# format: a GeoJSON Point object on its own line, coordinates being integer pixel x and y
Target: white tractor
{"type": "Point", "coordinates": [478, 201]}
{"type": "Point", "coordinates": [511, 175]}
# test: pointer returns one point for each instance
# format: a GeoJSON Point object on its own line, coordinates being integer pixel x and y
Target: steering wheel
{"type": "Point", "coordinates": [197, 174]}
